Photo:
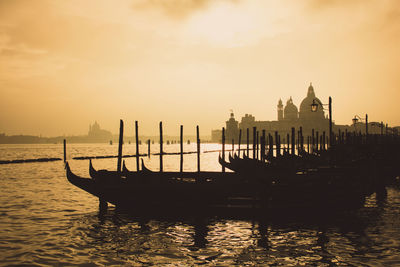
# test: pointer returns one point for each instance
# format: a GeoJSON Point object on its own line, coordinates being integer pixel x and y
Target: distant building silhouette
{"type": "Point", "coordinates": [288, 116]}
{"type": "Point", "coordinates": [97, 134]}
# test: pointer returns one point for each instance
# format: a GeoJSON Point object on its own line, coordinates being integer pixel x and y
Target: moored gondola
{"type": "Point", "coordinates": [308, 190]}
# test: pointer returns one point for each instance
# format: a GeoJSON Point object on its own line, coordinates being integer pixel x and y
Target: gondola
{"type": "Point", "coordinates": [152, 189]}
{"type": "Point", "coordinates": [317, 189]}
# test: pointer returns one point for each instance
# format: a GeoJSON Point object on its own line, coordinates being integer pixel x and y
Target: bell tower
{"type": "Point", "coordinates": [280, 110]}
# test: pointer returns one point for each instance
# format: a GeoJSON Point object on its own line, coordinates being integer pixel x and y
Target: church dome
{"type": "Point", "coordinates": [290, 111]}
{"type": "Point", "coordinates": [305, 106]}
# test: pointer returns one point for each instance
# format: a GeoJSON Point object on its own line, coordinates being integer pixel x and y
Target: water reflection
{"type": "Point", "coordinates": [339, 238]}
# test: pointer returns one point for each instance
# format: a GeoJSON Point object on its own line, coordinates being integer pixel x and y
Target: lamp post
{"type": "Point", "coordinates": [314, 108]}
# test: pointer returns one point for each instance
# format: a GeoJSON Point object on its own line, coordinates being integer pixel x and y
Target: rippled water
{"type": "Point", "coordinates": [44, 220]}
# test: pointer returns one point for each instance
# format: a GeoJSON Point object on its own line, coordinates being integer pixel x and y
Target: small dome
{"type": "Point", "coordinates": [290, 111]}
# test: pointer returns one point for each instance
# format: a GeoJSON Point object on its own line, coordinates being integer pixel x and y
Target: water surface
{"type": "Point", "coordinates": [47, 221]}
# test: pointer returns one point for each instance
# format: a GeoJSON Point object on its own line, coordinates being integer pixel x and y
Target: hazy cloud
{"type": "Point", "coordinates": [177, 8]}
{"type": "Point", "coordinates": [321, 4]}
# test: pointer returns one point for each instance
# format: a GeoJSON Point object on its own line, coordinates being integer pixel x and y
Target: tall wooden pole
{"type": "Point", "coordinates": [223, 148]}
{"type": "Point", "coordinates": [198, 148]}
{"type": "Point", "coordinates": [330, 123]}
{"type": "Point", "coordinates": [257, 144]}
{"type": "Point", "coordinates": [161, 147]}
{"type": "Point", "coordinates": [65, 150]}
{"type": "Point", "coordinates": [301, 139]}
{"type": "Point", "coordinates": [137, 145]}
{"type": "Point", "coordinates": [263, 145]}
{"type": "Point", "coordinates": [288, 143]}
{"type": "Point", "coordinates": [312, 141]}
{"type": "Point", "coordinates": [279, 144]}
{"type": "Point", "coordinates": [254, 142]}
{"type": "Point", "coordinates": [181, 146]}
{"type": "Point", "coordinates": [240, 139]}
{"type": "Point", "coordinates": [270, 146]}
{"type": "Point", "coordinates": [148, 148]}
{"type": "Point", "coordinates": [248, 141]}
{"type": "Point", "coordinates": [293, 141]}
{"type": "Point", "coordinates": [277, 148]}
{"type": "Point", "coordinates": [121, 140]}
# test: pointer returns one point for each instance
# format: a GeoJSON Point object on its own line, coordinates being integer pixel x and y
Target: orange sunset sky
{"type": "Point", "coordinates": [65, 64]}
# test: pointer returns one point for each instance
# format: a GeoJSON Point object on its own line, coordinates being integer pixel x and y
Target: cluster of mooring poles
{"type": "Point", "coordinates": [161, 153]}
{"type": "Point", "coordinates": [271, 145]}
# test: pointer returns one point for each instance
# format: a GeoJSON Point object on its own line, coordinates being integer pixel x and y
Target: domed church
{"type": "Point", "coordinates": [291, 113]}
{"type": "Point", "coordinates": [288, 116]}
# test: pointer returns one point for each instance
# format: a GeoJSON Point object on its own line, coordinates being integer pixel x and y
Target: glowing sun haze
{"type": "Point", "coordinates": [65, 64]}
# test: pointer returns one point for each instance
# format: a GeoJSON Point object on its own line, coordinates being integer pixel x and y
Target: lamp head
{"type": "Point", "coordinates": [314, 106]}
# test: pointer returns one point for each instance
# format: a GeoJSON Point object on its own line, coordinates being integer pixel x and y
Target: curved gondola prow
{"type": "Point", "coordinates": [125, 170]}
{"type": "Point", "coordinates": [144, 168]}
{"type": "Point", "coordinates": [87, 184]}
{"type": "Point", "coordinates": [70, 175]}
{"type": "Point", "coordinates": [92, 171]}
{"type": "Point", "coordinates": [231, 159]}
{"type": "Point", "coordinates": [220, 160]}
{"type": "Point", "coordinates": [224, 163]}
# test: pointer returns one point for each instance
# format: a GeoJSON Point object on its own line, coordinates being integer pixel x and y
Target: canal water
{"type": "Point", "coordinates": [44, 220]}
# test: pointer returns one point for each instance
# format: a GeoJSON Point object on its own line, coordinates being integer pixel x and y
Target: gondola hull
{"type": "Point", "coordinates": [151, 191]}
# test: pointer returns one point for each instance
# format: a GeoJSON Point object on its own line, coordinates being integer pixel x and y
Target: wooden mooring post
{"type": "Point", "coordinates": [320, 143]}
{"type": "Point", "coordinates": [65, 151]}
{"type": "Point", "coordinates": [278, 152]}
{"type": "Point", "coordinates": [312, 141]}
{"type": "Point", "coordinates": [120, 142]}
{"type": "Point", "coordinates": [263, 145]}
{"type": "Point", "coordinates": [240, 139]}
{"type": "Point", "coordinates": [293, 147]}
{"type": "Point", "coordinates": [257, 145]}
{"type": "Point", "coordinates": [279, 144]}
{"type": "Point", "coordinates": [223, 148]}
{"type": "Point", "coordinates": [301, 139]}
{"type": "Point", "coordinates": [181, 149]}
{"type": "Point", "coordinates": [148, 148]}
{"type": "Point", "coordinates": [198, 147]}
{"type": "Point", "coordinates": [248, 141]}
{"type": "Point", "coordinates": [161, 147]}
{"type": "Point", "coordinates": [254, 142]}
{"type": "Point", "coordinates": [288, 142]}
{"type": "Point", "coordinates": [137, 144]}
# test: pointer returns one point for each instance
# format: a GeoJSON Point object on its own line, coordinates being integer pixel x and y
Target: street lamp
{"type": "Point", "coordinates": [314, 108]}
{"type": "Point", "coordinates": [358, 118]}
